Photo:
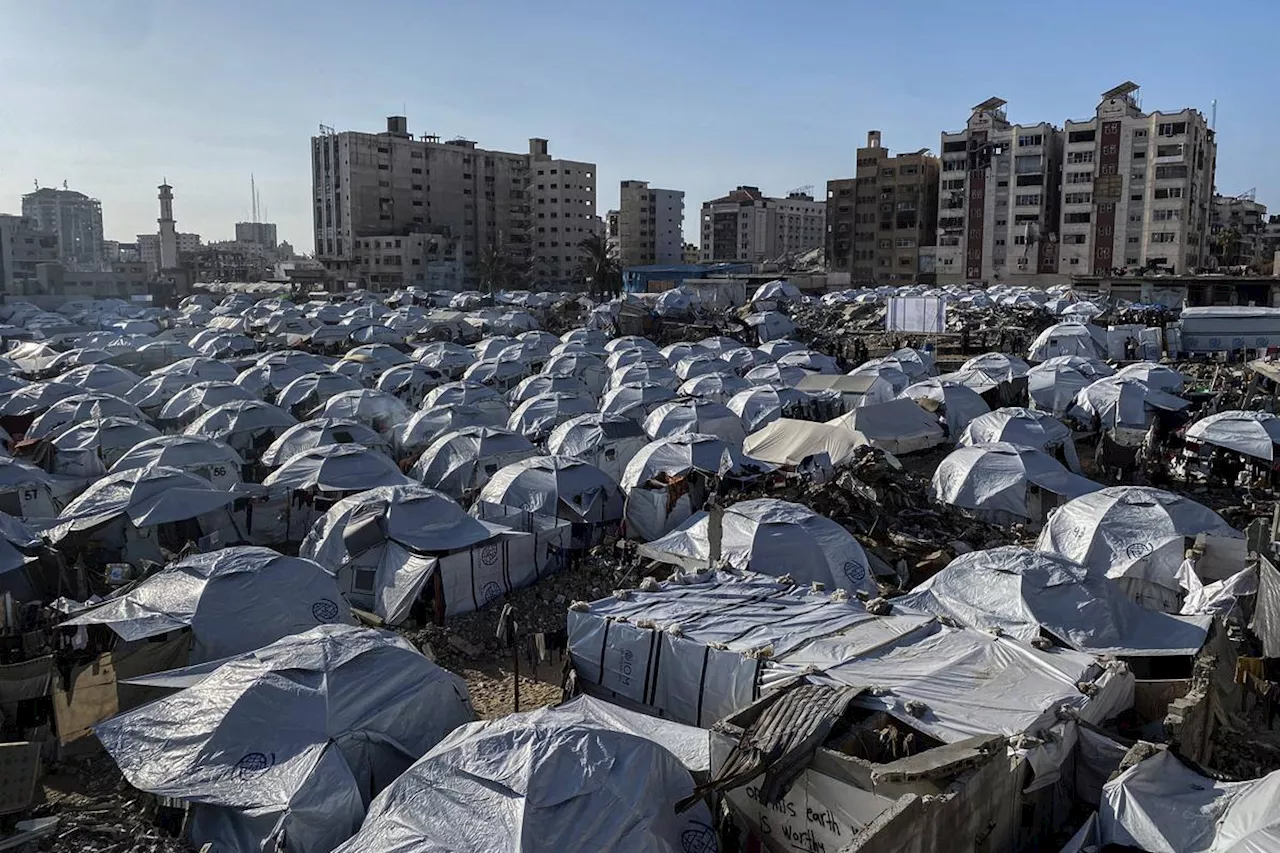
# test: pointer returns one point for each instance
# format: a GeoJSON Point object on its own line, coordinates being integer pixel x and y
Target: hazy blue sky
{"type": "Point", "coordinates": [700, 95]}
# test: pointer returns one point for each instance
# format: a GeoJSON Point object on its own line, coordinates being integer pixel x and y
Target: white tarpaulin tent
{"type": "Point", "coordinates": [558, 486]}
{"type": "Point", "coordinates": [790, 442]}
{"type": "Point", "coordinates": [692, 415]}
{"type": "Point", "coordinates": [1123, 401]}
{"type": "Point", "coordinates": [956, 404]}
{"type": "Point", "coordinates": [1250, 433]}
{"type": "Point", "coordinates": [233, 600]}
{"type": "Point", "coordinates": [386, 544]}
{"type": "Point", "coordinates": [772, 537]}
{"type": "Point", "coordinates": [898, 426]}
{"type": "Point", "coordinates": [281, 748]}
{"type": "Point", "coordinates": [198, 454]}
{"type": "Point", "coordinates": [320, 432]}
{"type": "Point", "coordinates": [337, 468]}
{"type": "Point", "coordinates": [1005, 483]}
{"type": "Point", "coordinates": [1030, 593]}
{"type": "Point", "coordinates": [1025, 428]}
{"type": "Point", "coordinates": [607, 441]}
{"type": "Point", "coordinates": [1162, 805]}
{"type": "Point", "coordinates": [1080, 339]}
{"type": "Point", "coordinates": [1137, 536]}
{"type": "Point", "coordinates": [563, 779]}
{"type": "Point", "coordinates": [461, 462]}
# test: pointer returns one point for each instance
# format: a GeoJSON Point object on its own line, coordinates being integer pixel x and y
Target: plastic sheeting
{"type": "Point", "coordinates": [337, 468]}
{"type": "Point", "coordinates": [1133, 534]}
{"type": "Point", "coordinates": [1069, 339]}
{"type": "Point", "coordinates": [1001, 479]}
{"type": "Point", "coordinates": [771, 537]}
{"type": "Point", "coordinates": [680, 454]}
{"type": "Point", "coordinates": [198, 454]}
{"type": "Point", "coordinates": [898, 426]}
{"type": "Point", "coordinates": [956, 404]}
{"type": "Point", "coordinates": [695, 416]}
{"type": "Point", "coordinates": [320, 432]}
{"type": "Point", "coordinates": [559, 486]}
{"type": "Point", "coordinates": [1124, 401]}
{"type": "Point", "coordinates": [1163, 806]}
{"type": "Point", "coordinates": [693, 650]}
{"type": "Point", "coordinates": [147, 496]}
{"type": "Point", "coordinates": [234, 600]}
{"type": "Point", "coordinates": [607, 441]}
{"type": "Point", "coordinates": [463, 461]}
{"type": "Point", "coordinates": [790, 442]}
{"type": "Point", "coordinates": [1024, 593]}
{"type": "Point", "coordinates": [557, 779]}
{"type": "Point", "coordinates": [280, 749]}
{"type": "Point", "coordinates": [1251, 433]}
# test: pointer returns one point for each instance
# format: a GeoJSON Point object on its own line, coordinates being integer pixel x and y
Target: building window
{"type": "Point", "coordinates": [886, 173]}
{"type": "Point", "coordinates": [1173, 128]}
{"type": "Point", "coordinates": [1080, 157]}
{"type": "Point", "coordinates": [1027, 200]}
{"type": "Point", "coordinates": [1178, 170]}
{"type": "Point", "coordinates": [1081, 135]}
{"type": "Point", "coordinates": [1076, 218]}
{"type": "Point", "coordinates": [1168, 192]}
{"type": "Point", "coordinates": [1079, 177]}
{"type": "Point", "coordinates": [1077, 198]}
{"type": "Point", "coordinates": [1075, 261]}
{"type": "Point", "coordinates": [1139, 154]}
{"type": "Point", "coordinates": [1173, 150]}
{"type": "Point", "coordinates": [1133, 240]}
{"type": "Point", "coordinates": [1031, 139]}
{"type": "Point", "coordinates": [1166, 215]}
{"type": "Point", "coordinates": [1074, 239]}
{"type": "Point", "coordinates": [1163, 237]}
{"type": "Point", "coordinates": [1141, 133]}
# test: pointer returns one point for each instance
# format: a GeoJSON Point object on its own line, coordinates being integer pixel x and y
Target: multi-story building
{"type": "Point", "coordinates": [110, 252]}
{"type": "Point", "coordinates": [1136, 189]}
{"type": "Point", "coordinates": [998, 200]}
{"type": "Point", "coordinates": [75, 218]}
{"type": "Point", "coordinates": [1238, 232]}
{"type": "Point", "coordinates": [260, 233]}
{"type": "Point", "coordinates": [878, 221]}
{"type": "Point", "coordinates": [745, 225]}
{"type": "Point", "coordinates": [149, 247]}
{"type": "Point", "coordinates": [391, 183]}
{"type": "Point", "coordinates": [562, 213]}
{"type": "Point", "coordinates": [690, 253]}
{"type": "Point", "coordinates": [414, 260]}
{"type": "Point", "coordinates": [611, 227]}
{"type": "Point", "coordinates": [650, 225]}
{"type": "Point", "coordinates": [23, 247]}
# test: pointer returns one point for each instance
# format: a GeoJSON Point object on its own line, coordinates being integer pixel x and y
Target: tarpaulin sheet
{"type": "Point", "coordinates": [898, 426]}
{"type": "Point", "coordinates": [923, 314]}
{"type": "Point", "coordinates": [147, 496]}
{"type": "Point", "coordinates": [1251, 433]}
{"type": "Point", "coordinates": [774, 538]}
{"type": "Point", "coordinates": [284, 745]}
{"type": "Point", "coordinates": [1023, 593]}
{"type": "Point", "coordinates": [554, 779]}
{"type": "Point", "coordinates": [559, 486]}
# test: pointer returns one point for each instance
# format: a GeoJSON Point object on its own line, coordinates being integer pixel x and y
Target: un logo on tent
{"type": "Point", "coordinates": [700, 839]}
{"type": "Point", "coordinates": [1138, 550]}
{"type": "Point", "coordinates": [1215, 343]}
{"type": "Point", "coordinates": [254, 764]}
{"type": "Point", "coordinates": [489, 554]}
{"type": "Point", "coordinates": [855, 572]}
{"type": "Point", "coordinates": [324, 610]}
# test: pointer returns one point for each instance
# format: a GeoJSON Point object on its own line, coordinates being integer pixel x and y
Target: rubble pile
{"type": "Point", "coordinates": [97, 811]}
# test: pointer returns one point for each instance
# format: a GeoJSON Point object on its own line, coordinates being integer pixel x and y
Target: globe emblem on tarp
{"type": "Point", "coordinates": [489, 554]}
{"type": "Point", "coordinates": [854, 571]}
{"type": "Point", "coordinates": [254, 764]}
{"type": "Point", "coordinates": [1138, 550]}
{"type": "Point", "coordinates": [700, 839]}
{"type": "Point", "coordinates": [324, 610]}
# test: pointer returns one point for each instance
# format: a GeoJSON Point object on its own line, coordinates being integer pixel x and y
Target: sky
{"type": "Point", "coordinates": [113, 96]}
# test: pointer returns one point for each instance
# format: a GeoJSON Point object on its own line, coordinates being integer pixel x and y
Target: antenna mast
{"type": "Point", "coordinates": [253, 191]}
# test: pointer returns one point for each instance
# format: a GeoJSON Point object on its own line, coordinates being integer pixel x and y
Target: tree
{"type": "Point", "coordinates": [497, 270]}
{"type": "Point", "coordinates": [599, 265]}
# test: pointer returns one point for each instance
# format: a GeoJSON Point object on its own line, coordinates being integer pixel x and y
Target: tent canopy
{"type": "Point", "coordinates": [996, 478]}
{"type": "Point", "coordinates": [898, 426]}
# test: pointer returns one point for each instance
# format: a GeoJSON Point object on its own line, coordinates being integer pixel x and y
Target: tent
{"type": "Point", "coordinates": [376, 409]}
{"type": "Point", "coordinates": [771, 537]}
{"type": "Point", "coordinates": [202, 368]}
{"type": "Point", "coordinates": [320, 432]}
{"type": "Point", "coordinates": [189, 403]}
{"type": "Point", "coordinates": [589, 369]}
{"type": "Point", "coordinates": [498, 373]}
{"type": "Point", "coordinates": [1028, 594]}
{"type": "Point", "coordinates": [762, 405]}
{"type": "Point", "coordinates": [426, 425]}
{"type": "Point", "coordinates": [774, 292]}
{"type": "Point", "coordinates": [101, 378]}
{"type": "Point", "coordinates": [459, 463]}
{"type": "Point", "coordinates": [106, 438]}
{"type": "Point", "coordinates": [410, 382]}
{"type": "Point", "coordinates": [226, 602]}
{"type": "Point", "coordinates": [1054, 388]}
{"type": "Point", "coordinates": [1069, 339]}
{"type": "Point", "coordinates": [898, 426]}
{"type": "Point", "coordinates": [1025, 428]}
{"type": "Point", "coordinates": [693, 415]}
{"type": "Point", "coordinates": [151, 394]}
{"type": "Point", "coordinates": [771, 325]}
{"type": "Point", "coordinates": [1157, 376]}
{"type": "Point", "coordinates": [809, 361]}
{"type": "Point", "coordinates": [680, 350]}
{"type": "Point", "coordinates": [636, 400]}
{"type": "Point", "coordinates": [387, 546]}
{"type": "Point", "coordinates": [81, 407]}
{"type": "Point", "coordinates": [20, 546]}
{"type": "Point", "coordinates": [536, 417]}
{"type": "Point", "coordinates": [29, 492]}
{"type": "Point", "coordinates": [701, 364]}
{"type": "Point", "coordinates": [644, 372]}
{"type": "Point", "coordinates": [449, 358]}
{"type": "Point", "coordinates": [290, 741]}
{"type": "Point", "coordinates": [564, 779]}
{"type": "Point", "coordinates": [558, 486]}
{"type": "Point", "coordinates": [743, 359]}
{"type": "Point", "coordinates": [790, 442]}
{"type": "Point", "coordinates": [620, 358]}
{"type": "Point", "coordinates": [855, 389]}
{"type": "Point", "coordinates": [717, 387]}
{"type": "Point", "coordinates": [196, 454]}
{"type": "Point", "coordinates": [1138, 536]}
{"type": "Point", "coordinates": [337, 468]}
{"type": "Point", "coordinates": [268, 377]}
{"type": "Point", "coordinates": [998, 365]}
{"type": "Point", "coordinates": [956, 405]}
{"type": "Point", "coordinates": [141, 513]}
{"type": "Point", "coordinates": [309, 392]}
{"type": "Point", "coordinates": [606, 441]}
{"type": "Point", "coordinates": [886, 371]}
{"type": "Point", "coordinates": [468, 394]}
{"type": "Point", "coordinates": [248, 426]}
{"type": "Point", "coordinates": [1162, 804]}
{"type": "Point", "coordinates": [1004, 483]}
{"type": "Point", "coordinates": [540, 383]}
{"type": "Point", "coordinates": [1123, 402]}
{"type": "Point", "coordinates": [1252, 434]}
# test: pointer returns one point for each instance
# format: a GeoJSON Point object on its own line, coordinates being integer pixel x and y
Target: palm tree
{"type": "Point", "coordinates": [599, 265]}
{"type": "Point", "coordinates": [498, 270]}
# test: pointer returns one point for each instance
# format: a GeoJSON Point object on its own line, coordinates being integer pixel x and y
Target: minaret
{"type": "Point", "coordinates": [168, 229]}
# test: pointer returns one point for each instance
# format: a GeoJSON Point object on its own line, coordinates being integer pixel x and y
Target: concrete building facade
{"type": "Point", "coordinates": [878, 221]}
{"type": "Point", "coordinates": [392, 183]}
{"type": "Point", "coordinates": [414, 260]}
{"type": "Point", "coordinates": [1238, 232]}
{"type": "Point", "coordinates": [747, 226]}
{"type": "Point", "coordinates": [998, 195]}
{"type": "Point", "coordinates": [148, 247]}
{"type": "Point", "coordinates": [75, 218]}
{"type": "Point", "coordinates": [650, 225]}
{"type": "Point", "coordinates": [1136, 189]}
{"type": "Point", "coordinates": [260, 233]}
{"type": "Point", "coordinates": [23, 248]}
